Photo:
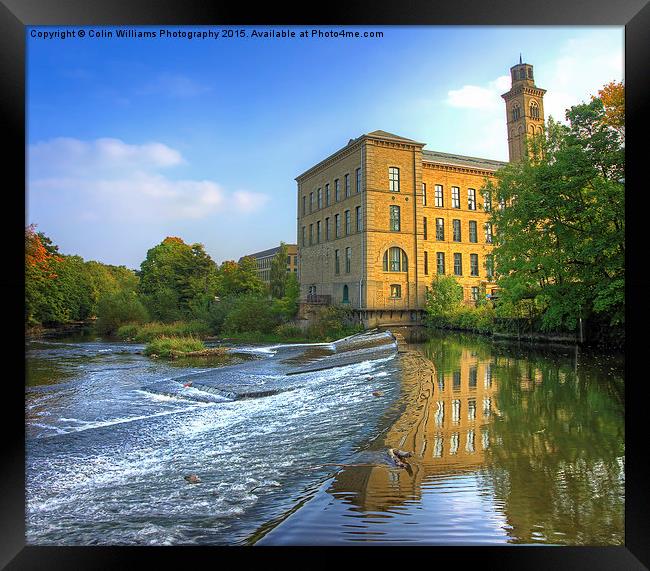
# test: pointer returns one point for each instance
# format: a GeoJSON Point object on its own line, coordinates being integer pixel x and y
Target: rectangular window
{"type": "Point", "coordinates": [358, 180]}
{"type": "Point", "coordinates": [347, 185]}
{"type": "Point", "coordinates": [394, 218]}
{"type": "Point", "coordinates": [311, 202]}
{"type": "Point", "coordinates": [337, 190]}
{"type": "Point", "coordinates": [424, 194]}
{"type": "Point", "coordinates": [471, 199]}
{"type": "Point", "coordinates": [455, 197]}
{"type": "Point", "coordinates": [395, 291]}
{"type": "Point", "coordinates": [318, 232]}
{"type": "Point", "coordinates": [311, 234]}
{"type": "Point", "coordinates": [303, 236]}
{"type": "Point", "coordinates": [304, 205]}
{"type": "Point", "coordinates": [473, 264]}
{"type": "Point", "coordinates": [337, 267]}
{"type": "Point", "coordinates": [488, 232]}
{"type": "Point", "coordinates": [348, 260]}
{"type": "Point", "coordinates": [358, 217]}
{"type": "Point", "coordinates": [489, 266]}
{"type": "Point", "coordinates": [426, 263]}
{"type": "Point", "coordinates": [393, 179]}
{"type": "Point", "coordinates": [327, 229]}
{"type": "Point", "coordinates": [456, 230]}
{"type": "Point", "coordinates": [440, 229]}
{"type": "Point", "coordinates": [487, 201]}
{"type": "Point", "coordinates": [473, 237]}
{"type": "Point", "coordinates": [438, 197]}
{"type": "Point", "coordinates": [319, 198]}
{"type": "Point", "coordinates": [424, 227]}
{"type": "Point", "coordinates": [474, 298]}
{"type": "Point", "coordinates": [348, 225]}
{"type": "Point", "coordinates": [458, 264]}
{"type": "Point", "coordinates": [327, 194]}
{"type": "Point", "coordinates": [440, 263]}
{"type": "Point", "coordinates": [337, 225]}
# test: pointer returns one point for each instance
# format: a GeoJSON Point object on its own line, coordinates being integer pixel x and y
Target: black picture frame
{"type": "Point", "coordinates": [15, 15]}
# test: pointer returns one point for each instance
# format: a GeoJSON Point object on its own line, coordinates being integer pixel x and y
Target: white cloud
{"type": "Point", "coordinates": [477, 97]}
{"type": "Point", "coordinates": [174, 85]}
{"type": "Point", "coordinates": [121, 181]}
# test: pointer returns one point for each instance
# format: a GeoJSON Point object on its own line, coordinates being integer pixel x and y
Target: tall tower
{"type": "Point", "coordinates": [524, 109]}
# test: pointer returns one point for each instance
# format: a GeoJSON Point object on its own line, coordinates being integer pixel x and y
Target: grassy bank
{"type": "Point", "coordinates": [144, 333]}
{"type": "Point", "coordinates": [174, 347]}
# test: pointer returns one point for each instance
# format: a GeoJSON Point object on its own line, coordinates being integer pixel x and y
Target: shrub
{"type": "Point", "coordinates": [250, 313]}
{"type": "Point", "coordinates": [333, 322]}
{"type": "Point", "coordinates": [150, 331]}
{"type": "Point", "coordinates": [173, 346]}
{"type": "Point", "coordinates": [288, 331]}
{"type": "Point", "coordinates": [117, 309]}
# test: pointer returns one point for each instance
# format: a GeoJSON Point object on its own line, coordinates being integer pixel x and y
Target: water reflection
{"type": "Point", "coordinates": [510, 444]}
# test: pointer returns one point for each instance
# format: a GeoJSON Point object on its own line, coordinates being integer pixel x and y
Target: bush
{"type": "Point", "coordinates": [332, 323]}
{"type": "Point", "coordinates": [250, 313]}
{"type": "Point", "coordinates": [289, 331]}
{"type": "Point", "coordinates": [173, 346]}
{"type": "Point", "coordinates": [128, 331]}
{"type": "Point", "coordinates": [117, 309]}
{"type": "Point", "coordinates": [150, 331]}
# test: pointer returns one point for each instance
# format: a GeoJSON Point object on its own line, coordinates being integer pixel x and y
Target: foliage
{"type": "Point", "coordinates": [333, 322]}
{"type": "Point", "coordinates": [279, 271]}
{"type": "Point", "coordinates": [177, 280]}
{"type": "Point", "coordinates": [444, 295]}
{"type": "Point", "coordinates": [560, 244]}
{"type": "Point", "coordinates": [288, 331]}
{"type": "Point", "coordinates": [240, 278]}
{"type": "Point", "coordinates": [172, 346]}
{"type": "Point", "coordinates": [149, 331]}
{"type": "Point", "coordinates": [118, 308]}
{"type": "Point", "coordinates": [287, 307]}
{"type": "Point", "coordinates": [613, 97]}
{"type": "Point", "coordinates": [251, 313]}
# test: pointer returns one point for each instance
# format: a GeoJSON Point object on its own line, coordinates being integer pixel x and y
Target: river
{"type": "Point", "coordinates": [511, 444]}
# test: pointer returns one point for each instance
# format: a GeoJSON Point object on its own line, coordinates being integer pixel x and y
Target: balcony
{"type": "Point", "coordinates": [318, 299]}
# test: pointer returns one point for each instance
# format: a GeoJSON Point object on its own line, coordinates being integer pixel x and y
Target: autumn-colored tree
{"type": "Point", "coordinates": [613, 97]}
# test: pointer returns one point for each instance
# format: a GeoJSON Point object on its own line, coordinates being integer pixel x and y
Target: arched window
{"type": "Point", "coordinates": [522, 74]}
{"type": "Point", "coordinates": [534, 110]}
{"type": "Point", "coordinates": [346, 299]}
{"type": "Point", "coordinates": [516, 112]}
{"type": "Point", "coordinates": [395, 260]}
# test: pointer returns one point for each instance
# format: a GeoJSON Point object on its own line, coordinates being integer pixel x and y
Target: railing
{"type": "Point", "coordinates": [318, 299]}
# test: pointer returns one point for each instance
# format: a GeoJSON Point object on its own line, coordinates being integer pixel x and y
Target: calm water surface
{"type": "Point", "coordinates": [510, 445]}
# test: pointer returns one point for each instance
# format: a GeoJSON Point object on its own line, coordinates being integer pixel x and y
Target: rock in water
{"type": "Point", "coordinates": [377, 394]}
{"type": "Point", "coordinates": [193, 479]}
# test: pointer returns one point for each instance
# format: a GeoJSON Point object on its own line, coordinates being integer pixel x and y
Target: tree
{"type": "Point", "coordinates": [240, 278]}
{"type": "Point", "coordinates": [444, 296]}
{"type": "Point", "coordinates": [613, 97]}
{"type": "Point", "coordinates": [279, 271]}
{"type": "Point", "coordinates": [560, 241]}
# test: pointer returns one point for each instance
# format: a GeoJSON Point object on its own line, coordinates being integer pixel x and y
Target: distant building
{"type": "Point", "coordinates": [381, 217]}
{"type": "Point", "coordinates": [264, 258]}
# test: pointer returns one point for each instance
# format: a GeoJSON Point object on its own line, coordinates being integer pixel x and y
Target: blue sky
{"type": "Point", "coordinates": [132, 140]}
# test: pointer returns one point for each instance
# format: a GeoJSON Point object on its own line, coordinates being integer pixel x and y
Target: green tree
{"type": "Point", "coordinates": [279, 271]}
{"type": "Point", "coordinates": [560, 241]}
{"type": "Point", "coordinates": [445, 295]}
{"type": "Point", "coordinates": [240, 278]}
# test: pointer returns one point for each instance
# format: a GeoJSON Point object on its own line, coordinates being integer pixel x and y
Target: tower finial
{"type": "Point", "coordinates": [520, 58]}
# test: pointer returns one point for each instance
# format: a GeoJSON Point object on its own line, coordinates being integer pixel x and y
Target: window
{"type": "Point", "coordinates": [346, 294]}
{"type": "Point", "coordinates": [311, 202]}
{"type": "Point", "coordinates": [395, 291]}
{"type": "Point", "coordinates": [438, 197]}
{"type": "Point", "coordinates": [357, 211]}
{"type": "Point", "coordinates": [327, 194]}
{"type": "Point", "coordinates": [327, 229]}
{"type": "Point", "coordinates": [394, 218]}
{"type": "Point", "coordinates": [426, 263]}
{"type": "Point", "coordinates": [337, 267]}
{"type": "Point", "coordinates": [303, 236]}
{"type": "Point", "coordinates": [395, 260]}
{"type": "Point", "coordinates": [489, 266]}
{"type": "Point", "coordinates": [455, 197]}
{"type": "Point", "coordinates": [358, 180]}
{"type": "Point", "coordinates": [474, 298]}
{"type": "Point", "coordinates": [424, 227]}
{"type": "Point", "coordinates": [348, 226]}
{"type": "Point", "coordinates": [534, 110]}
{"type": "Point", "coordinates": [456, 230]}
{"type": "Point", "coordinates": [337, 190]}
{"type": "Point", "coordinates": [458, 264]}
{"type": "Point", "coordinates": [473, 236]}
{"type": "Point", "coordinates": [473, 264]}
{"type": "Point", "coordinates": [424, 194]}
{"type": "Point", "coordinates": [348, 260]}
{"type": "Point", "coordinates": [471, 199]}
{"type": "Point", "coordinates": [337, 225]}
{"type": "Point", "coordinates": [440, 229]}
{"type": "Point", "coordinates": [502, 203]}
{"type": "Point", "coordinates": [318, 232]}
{"type": "Point", "coordinates": [440, 263]}
{"type": "Point", "coordinates": [304, 205]}
{"type": "Point", "coordinates": [311, 234]}
{"type": "Point", "coordinates": [347, 185]}
{"type": "Point", "coordinates": [319, 198]}
{"type": "Point", "coordinates": [488, 232]}
{"type": "Point", "coordinates": [516, 112]}
{"type": "Point", "coordinates": [487, 201]}
{"type": "Point", "coordinates": [393, 179]}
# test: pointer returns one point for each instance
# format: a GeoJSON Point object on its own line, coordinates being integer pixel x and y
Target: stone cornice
{"type": "Point", "coordinates": [458, 169]}
{"type": "Point", "coordinates": [536, 91]}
